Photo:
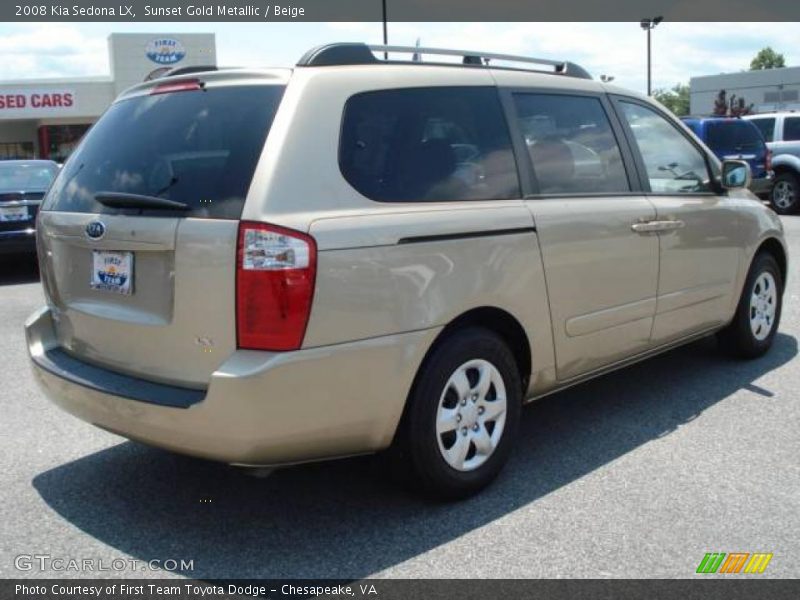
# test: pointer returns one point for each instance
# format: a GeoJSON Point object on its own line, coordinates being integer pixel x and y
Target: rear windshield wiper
{"type": "Point", "coordinates": [124, 200]}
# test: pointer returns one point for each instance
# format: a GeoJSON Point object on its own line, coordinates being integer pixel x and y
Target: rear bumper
{"type": "Point", "coordinates": [18, 241]}
{"type": "Point", "coordinates": [260, 408]}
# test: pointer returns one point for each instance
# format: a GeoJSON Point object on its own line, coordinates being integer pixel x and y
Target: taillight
{"type": "Point", "coordinates": [768, 161]}
{"type": "Point", "coordinates": [275, 272]}
{"type": "Point", "coordinates": [184, 85]}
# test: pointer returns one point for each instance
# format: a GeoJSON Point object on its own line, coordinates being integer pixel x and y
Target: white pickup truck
{"type": "Point", "coordinates": [782, 134]}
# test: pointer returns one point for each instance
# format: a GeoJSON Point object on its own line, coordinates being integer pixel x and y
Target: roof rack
{"type": "Point", "coordinates": [362, 54]}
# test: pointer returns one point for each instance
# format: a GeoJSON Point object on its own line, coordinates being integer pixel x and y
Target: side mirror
{"type": "Point", "coordinates": [735, 174]}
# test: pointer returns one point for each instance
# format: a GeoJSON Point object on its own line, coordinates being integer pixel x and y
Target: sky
{"type": "Point", "coordinates": [680, 50]}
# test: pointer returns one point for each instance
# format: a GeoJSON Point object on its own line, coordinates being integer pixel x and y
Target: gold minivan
{"type": "Point", "coordinates": [266, 267]}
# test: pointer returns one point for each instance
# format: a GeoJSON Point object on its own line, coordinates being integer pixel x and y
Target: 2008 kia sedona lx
{"type": "Point", "coordinates": [265, 267]}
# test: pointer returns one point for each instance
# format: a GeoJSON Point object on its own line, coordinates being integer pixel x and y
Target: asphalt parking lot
{"type": "Point", "coordinates": [636, 474]}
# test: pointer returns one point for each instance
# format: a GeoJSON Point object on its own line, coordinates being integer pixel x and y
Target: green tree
{"type": "Point", "coordinates": [676, 99]}
{"type": "Point", "coordinates": [767, 58]}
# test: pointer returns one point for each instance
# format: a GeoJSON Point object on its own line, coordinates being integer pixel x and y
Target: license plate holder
{"type": "Point", "coordinates": [112, 271]}
{"type": "Point", "coordinates": [12, 214]}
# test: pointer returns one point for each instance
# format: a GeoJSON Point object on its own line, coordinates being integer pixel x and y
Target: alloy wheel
{"type": "Point", "coordinates": [783, 194]}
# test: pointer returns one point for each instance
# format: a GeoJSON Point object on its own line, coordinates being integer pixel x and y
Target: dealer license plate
{"type": "Point", "coordinates": [112, 271]}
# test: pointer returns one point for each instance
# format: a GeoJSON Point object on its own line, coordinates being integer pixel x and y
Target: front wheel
{"type": "Point", "coordinates": [758, 314]}
{"type": "Point", "coordinates": [463, 414]}
{"type": "Point", "coordinates": [785, 195]}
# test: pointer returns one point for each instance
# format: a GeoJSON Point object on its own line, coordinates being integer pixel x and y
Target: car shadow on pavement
{"type": "Point", "coordinates": [18, 269]}
{"type": "Point", "coordinates": [345, 519]}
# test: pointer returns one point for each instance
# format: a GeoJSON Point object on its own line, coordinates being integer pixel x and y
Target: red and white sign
{"type": "Point", "coordinates": [36, 102]}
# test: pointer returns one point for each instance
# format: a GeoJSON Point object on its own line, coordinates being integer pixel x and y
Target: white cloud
{"type": "Point", "coordinates": [680, 50]}
{"type": "Point", "coordinates": [52, 50]}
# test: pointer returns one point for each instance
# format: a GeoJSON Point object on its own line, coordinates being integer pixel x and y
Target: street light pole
{"type": "Point", "coordinates": [385, 30]}
{"type": "Point", "coordinates": [649, 64]}
{"type": "Point", "coordinates": [648, 25]}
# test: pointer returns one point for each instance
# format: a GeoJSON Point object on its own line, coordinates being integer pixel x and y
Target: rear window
{"type": "Point", "coordinates": [198, 147]}
{"type": "Point", "coordinates": [734, 135]}
{"type": "Point", "coordinates": [448, 143]}
{"type": "Point", "coordinates": [26, 177]}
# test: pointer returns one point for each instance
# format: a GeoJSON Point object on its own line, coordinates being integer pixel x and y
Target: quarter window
{"type": "Point", "coordinates": [791, 129]}
{"type": "Point", "coordinates": [571, 145]}
{"type": "Point", "coordinates": [673, 164]}
{"type": "Point", "coordinates": [766, 127]}
{"type": "Point", "coordinates": [428, 144]}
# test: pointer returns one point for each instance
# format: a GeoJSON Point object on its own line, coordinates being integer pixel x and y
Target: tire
{"type": "Point", "coordinates": [440, 422]}
{"type": "Point", "coordinates": [758, 313]}
{"type": "Point", "coordinates": [785, 195]}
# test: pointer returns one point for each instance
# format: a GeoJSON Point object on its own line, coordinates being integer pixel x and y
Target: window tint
{"type": "Point", "coordinates": [571, 144]}
{"type": "Point", "coordinates": [197, 147]}
{"type": "Point", "coordinates": [766, 127]}
{"type": "Point", "coordinates": [673, 163]}
{"type": "Point", "coordinates": [428, 144]}
{"type": "Point", "coordinates": [734, 135]}
{"type": "Point", "coordinates": [29, 177]}
{"type": "Point", "coordinates": [791, 129]}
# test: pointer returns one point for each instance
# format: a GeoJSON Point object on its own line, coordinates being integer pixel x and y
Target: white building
{"type": "Point", "coordinates": [45, 118]}
{"type": "Point", "coordinates": [767, 90]}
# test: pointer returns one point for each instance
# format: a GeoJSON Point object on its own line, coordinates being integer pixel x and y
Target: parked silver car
{"type": "Point", "coordinates": [782, 133]}
{"type": "Point", "coordinates": [280, 266]}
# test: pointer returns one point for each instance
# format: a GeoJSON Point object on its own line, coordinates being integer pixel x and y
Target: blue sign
{"type": "Point", "coordinates": [165, 51]}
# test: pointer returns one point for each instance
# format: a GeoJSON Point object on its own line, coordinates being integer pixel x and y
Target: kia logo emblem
{"type": "Point", "coordinates": [95, 230]}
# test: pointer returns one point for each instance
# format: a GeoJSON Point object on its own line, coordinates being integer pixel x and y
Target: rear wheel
{"type": "Point", "coordinates": [758, 314]}
{"type": "Point", "coordinates": [785, 195]}
{"type": "Point", "coordinates": [463, 414]}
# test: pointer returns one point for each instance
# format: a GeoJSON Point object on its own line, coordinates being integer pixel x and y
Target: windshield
{"type": "Point", "coordinates": [734, 135]}
{"type": "Point", "coordinates": [198, 147]}
{"type": "Point", "coordinates": [26, 177]}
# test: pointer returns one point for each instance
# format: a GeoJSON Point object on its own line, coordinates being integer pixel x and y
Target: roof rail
{"type": "Point", "coordinates": [362, 54]}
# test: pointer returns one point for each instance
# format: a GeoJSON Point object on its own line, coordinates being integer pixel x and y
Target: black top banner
{"type": "Point", "coordinates": [397, 10]}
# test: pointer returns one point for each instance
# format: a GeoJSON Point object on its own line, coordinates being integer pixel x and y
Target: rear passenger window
{"type": "Point", "coordinates": [791, 129]}
{"type": "Point", "coordinates": [571, 144]}
{"type": "Point", "coordinates": [428, 144]}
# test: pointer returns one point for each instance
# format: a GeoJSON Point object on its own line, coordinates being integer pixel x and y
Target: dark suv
{"type": "Point", "coordinates": [23, 184]}
{"type": "Point", "coordinates": [737, 139]}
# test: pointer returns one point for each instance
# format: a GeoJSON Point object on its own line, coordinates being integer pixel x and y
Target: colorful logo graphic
{"type": "Point", "coordinates": [112, 272]}
{"type": "Point", "coordinates": [734, 562]}
{"type": "Point", "coordinates": [165, 51]}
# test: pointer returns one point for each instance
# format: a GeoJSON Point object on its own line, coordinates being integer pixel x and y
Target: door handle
{"type": "Point", "coordinates": [657, 226]}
